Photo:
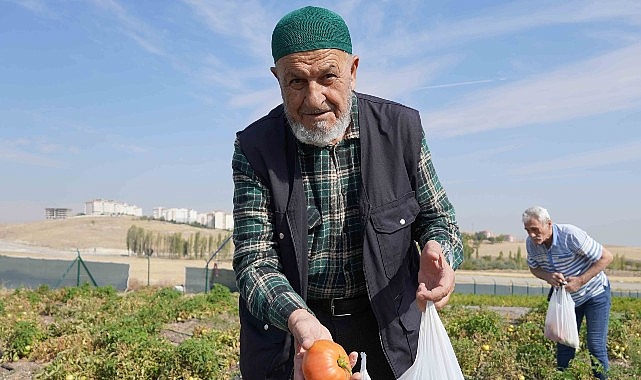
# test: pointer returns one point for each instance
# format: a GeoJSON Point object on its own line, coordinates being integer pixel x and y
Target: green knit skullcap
{"type": "Point", "coordinates": [310, 28]}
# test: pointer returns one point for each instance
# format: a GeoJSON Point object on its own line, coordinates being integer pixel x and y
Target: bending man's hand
{"type": "Point", "coordinates": [435, 277]}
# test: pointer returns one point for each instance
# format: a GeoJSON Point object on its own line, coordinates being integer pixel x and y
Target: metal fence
{"type": "Point", "coordinates": [31, 273]}
{"type": "Point", "coordinates": [519, 288]}
{"type": "Point", "coordinates": [16, 272]}
{"type": "Point", "coordinates": [196, 280]}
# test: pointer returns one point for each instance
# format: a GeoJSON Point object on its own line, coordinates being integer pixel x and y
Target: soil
{"type": "Point", "coordinates": [20, 370]}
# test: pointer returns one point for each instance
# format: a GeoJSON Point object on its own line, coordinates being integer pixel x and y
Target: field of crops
{"type": "Point", "coordinates": [160, 333]}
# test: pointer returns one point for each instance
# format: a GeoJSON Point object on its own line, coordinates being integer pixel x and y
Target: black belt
{"type": "Point", "coordinates": [340, 307]}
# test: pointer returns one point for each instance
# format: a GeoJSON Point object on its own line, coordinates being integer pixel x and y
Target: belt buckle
{"type": "Point", "coordinates": [332, 308]}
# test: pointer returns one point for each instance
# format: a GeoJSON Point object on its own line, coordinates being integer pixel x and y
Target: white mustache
{"type": "Point", "coordinates": [316, 111]}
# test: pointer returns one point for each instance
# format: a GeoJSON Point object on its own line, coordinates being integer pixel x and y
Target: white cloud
{"type": "Point", "coordinates": [38, 7]}
{"type": "Point", "coordinates": [131, 148]}
{"type": "Point", "coordinates": [21, 157]}
{"type": "Point", "coordinates": [133, 27]}
{"type": "Point", "coordinates": [502, 20]}
{"type": "Point", "coordinates": [246, 21]}
{"type": "Point", "coordinates": [609, 82]}
{"type": "Point", "coordinates": [629, 152]}
{"type": "Point", "coordinates": [403, 80]}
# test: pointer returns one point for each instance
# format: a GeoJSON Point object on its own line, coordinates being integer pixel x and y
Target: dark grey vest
{"type": "Point", "coordinates": [390, 138]}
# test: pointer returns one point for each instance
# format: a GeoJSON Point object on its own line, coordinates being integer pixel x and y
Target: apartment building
{"type": "Point", "coordinates": [110, 207]}
{"type": "Point", "coordinates": [217, 219]}
{"type": "Point", "coordinates": [178, 215]}
{"type": "Point", "coordinates": [57, 213]}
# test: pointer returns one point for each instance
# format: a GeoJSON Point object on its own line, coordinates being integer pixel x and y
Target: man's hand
{"type": "Point", "coordinates": [573, 284]}
{"type": "Point", "coordinates": [555, 279]}
{"type": "Point", "coordinates": [435, 277]}
{"type": "Point", "coordinates": [306, 329]}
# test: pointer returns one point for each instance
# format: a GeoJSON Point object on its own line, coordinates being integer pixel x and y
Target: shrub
{"type": "Point", "coordinates": [20, 342]}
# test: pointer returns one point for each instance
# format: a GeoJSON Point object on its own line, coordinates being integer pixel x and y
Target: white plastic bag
{"type": "Point", "coordinates": [560, 320]}
{"type": "Point", "coordinates": [363, 370]}
{"type": "Point", "coordinates": [435, 357]}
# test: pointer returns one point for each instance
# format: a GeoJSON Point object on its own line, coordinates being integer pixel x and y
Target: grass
{"type": "Point", "coordinates": [159, 333]}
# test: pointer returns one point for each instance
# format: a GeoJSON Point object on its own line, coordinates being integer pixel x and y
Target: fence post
{"type": "Point", "coordinates": [211, 258]}
{"type": "Point", "coordinates": [78, 269]}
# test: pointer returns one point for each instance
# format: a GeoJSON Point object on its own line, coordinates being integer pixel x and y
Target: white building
{"type": "Point", "coordinates": [57, 213]}
{"type": "Point", "coordinates": [203, 219]}
{"type": "Point", "coordinates": [178, 215]}
{"type": "Point", "coordinates": [215, 219]}
{"type": "Point", "coordinates": [109, 207]}
{"type": "Point", "coordinates": [229, 221]}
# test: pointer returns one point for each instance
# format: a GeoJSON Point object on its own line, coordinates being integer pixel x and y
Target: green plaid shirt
{"type": "Point", "coordinates": [331, 181]}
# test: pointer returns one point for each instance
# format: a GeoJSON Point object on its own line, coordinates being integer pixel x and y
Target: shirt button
{"type": "Point", "coordinates": [402, 222]}
{"type": "Point", "coordinates": [281, 236]}
{"type": "Point", "coordinates": [266, 327]}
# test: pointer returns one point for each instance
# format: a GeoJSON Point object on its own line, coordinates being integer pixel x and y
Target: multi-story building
{"type": "Point", "coordinates": [203, 219]}
{"type": "Point", "coordinates": [57, 213]}
{"type": "Point", "coordinates": [178, 215]}
{"type": "Point", "coordinates": [217, 219]}
{"type": "Point", "coordinates": [229, 221]}
{"type": "Point", "coordinates": [109, 207]}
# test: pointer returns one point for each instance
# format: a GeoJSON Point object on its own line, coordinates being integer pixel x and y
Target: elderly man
{"type": "Point", "coordinates": [565, 255]}
{"type": "Point", "coordinates": [334, 193]}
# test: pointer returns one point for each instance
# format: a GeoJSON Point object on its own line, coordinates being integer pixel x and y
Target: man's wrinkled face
{"type": "Point", "coordinates": [316, 87]}
{"type": "Point", "coordinates": [539, 232]}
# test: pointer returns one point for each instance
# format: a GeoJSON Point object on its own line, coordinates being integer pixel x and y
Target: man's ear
{"type": "Point", "coordinates": [273, 70]}
{"type": "Point", "coordinates": [355, 61]}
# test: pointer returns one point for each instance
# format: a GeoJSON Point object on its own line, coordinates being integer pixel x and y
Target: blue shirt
{"type": "Point", "coordinates": [572, 252]}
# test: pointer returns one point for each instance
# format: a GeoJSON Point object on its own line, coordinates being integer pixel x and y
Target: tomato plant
{"type": "Point", "coordinates": [326, 360]}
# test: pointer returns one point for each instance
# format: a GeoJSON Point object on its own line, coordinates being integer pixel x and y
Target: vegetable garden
{"type": "Point", "coordinates": [160, 333]}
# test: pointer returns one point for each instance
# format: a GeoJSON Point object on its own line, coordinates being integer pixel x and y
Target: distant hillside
{"type": "Point", "coordinates": [495, 249]}
{"type": "Point", "coordinates": [92, 231]}
{"type": "Point", "coordinates": [87, 232]}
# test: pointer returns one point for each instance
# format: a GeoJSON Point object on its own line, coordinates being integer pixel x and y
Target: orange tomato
{"type": "Point", "coordinates": [326, 360]}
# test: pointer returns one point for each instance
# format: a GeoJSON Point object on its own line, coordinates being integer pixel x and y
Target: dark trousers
{"type": "Point", "coordinates": [359, 332]}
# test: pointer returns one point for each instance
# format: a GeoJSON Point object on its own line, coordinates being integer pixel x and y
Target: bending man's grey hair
{"type": "Point", "coordinates": [536, 212]}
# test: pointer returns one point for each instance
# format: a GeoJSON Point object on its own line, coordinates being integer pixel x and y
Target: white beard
{"type": "Point", "coordinates": [322, 134]}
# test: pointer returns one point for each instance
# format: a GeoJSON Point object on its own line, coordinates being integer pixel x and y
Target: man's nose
{"type": "Point", "coordinates": [315, 94]}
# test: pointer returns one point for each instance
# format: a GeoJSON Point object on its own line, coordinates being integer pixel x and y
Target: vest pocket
{"type": "Point", "coordinates": [392, 222]}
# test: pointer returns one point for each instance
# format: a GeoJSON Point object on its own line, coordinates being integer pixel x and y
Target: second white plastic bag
{"type": "Point", "coordinates": [435, 357]}
{"type": "Point", "coordinates": [560, 320]}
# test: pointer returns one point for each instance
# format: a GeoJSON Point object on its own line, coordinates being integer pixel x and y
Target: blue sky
{"type": "Point", "coordinates": [523, 103]}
